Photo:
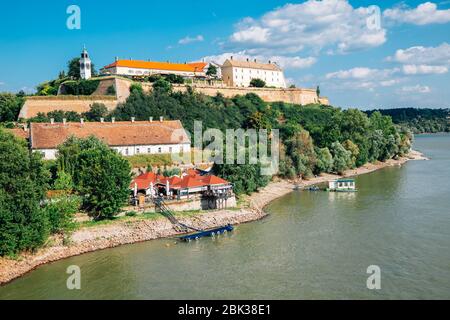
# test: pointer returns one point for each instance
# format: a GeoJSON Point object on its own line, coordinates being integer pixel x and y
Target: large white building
{"type": "Point", "coordinates": [127, 137]}
{"type": "Point", "coordinates": [238, 73]}
{"type": "Point", "coordinates": [146, 68]}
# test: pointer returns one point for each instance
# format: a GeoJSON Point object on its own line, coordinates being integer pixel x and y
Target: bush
{"type": "Point", "coordinates": [80, 87]}
{"type": "Point", "coordinates": [258, 83]}
{"type": "Point", "coordinates": [111, 91]}
{"type": "Point", "coordinates": [60, 212]}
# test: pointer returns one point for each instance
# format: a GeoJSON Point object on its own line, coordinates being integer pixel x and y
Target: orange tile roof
{"type": "Point", "coordinates": [19, 133]}
{"type": "Point", "coordinates": [187, 67]}
{"type": "Point", "coordinates": [188, 181]}
{"type": "Point", "coordinates": [119, 133]}
{"type": "Point", "coordinates": [143, 181]}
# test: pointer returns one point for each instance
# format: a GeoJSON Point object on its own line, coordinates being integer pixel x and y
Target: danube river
{"type": "Point", "coordinates": [313, 245]}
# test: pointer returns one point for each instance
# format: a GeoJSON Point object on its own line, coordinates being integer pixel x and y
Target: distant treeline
{"type": "Point", "coordinates": [419, 120]}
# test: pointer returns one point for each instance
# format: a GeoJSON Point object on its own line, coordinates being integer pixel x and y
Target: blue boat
{"type": "Point", "coordinates": [207, 233]}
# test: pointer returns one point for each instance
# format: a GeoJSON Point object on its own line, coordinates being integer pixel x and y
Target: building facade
{"type": "Point", "coordinates": [127, 137]}
{"type": "Point", "coordinates": [138, 68]}
{"type": "Point", "coordinates": [238, 73]}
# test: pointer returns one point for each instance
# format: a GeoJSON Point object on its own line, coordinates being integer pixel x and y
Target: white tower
{"type": "Point", "coordinates": [85, 65]}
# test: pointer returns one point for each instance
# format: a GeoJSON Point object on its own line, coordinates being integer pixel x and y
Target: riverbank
{"type": "Point", "coordinates": [138, 229]}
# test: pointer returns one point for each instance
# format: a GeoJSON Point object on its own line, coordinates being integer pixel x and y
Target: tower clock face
{"type": "Point", "coordinates": [82, 65]}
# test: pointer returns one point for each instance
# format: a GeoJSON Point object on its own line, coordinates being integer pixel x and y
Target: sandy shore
{"type": "Point", "coordinates": [135, 230]}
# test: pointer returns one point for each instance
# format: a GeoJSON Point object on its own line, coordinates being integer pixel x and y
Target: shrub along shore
{"type": "Point", "coordinates": [143, 228]}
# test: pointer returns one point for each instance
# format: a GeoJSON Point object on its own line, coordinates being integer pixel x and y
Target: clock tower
{"type": "Point", "coordinates": [85, 65]}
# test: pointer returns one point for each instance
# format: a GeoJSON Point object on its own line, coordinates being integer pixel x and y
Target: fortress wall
{"type": "Point", "coordinates": [292, 95]}
{"type": "Point", "coordinates": [80, 104]}
{"type": "Point", "coordinates": [34, 105]}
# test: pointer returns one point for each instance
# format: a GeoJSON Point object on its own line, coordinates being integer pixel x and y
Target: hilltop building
{"type": "Point", "coordinates": [85, 65]}
{"type": "Point", "coordinates": [238, 73]}
{"type": "Point", "coordinates": [127, 137]}
{"type": "Point", "coordinates": [146, 68]}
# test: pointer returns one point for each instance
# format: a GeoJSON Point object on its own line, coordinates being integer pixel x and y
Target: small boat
{"type": "Point", "coordinates": [207, 233]}
{"type": "Point", "coordinates": [312, 188]}
{"type": "Point", "coordinates": [342, 185]}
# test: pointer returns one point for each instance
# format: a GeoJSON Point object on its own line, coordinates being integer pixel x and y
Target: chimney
{"type": "Point", "coordinates": [82, 120]}
{"type": "Point", "coordinates": [247, 59]}
{"type": "Point", "coordinates": [117, 59]}
{"type": "Point", "coordinates": [64, 121]}
{"type": "Point", "coordinates": [231, 58]}
{"type": "Point", "coordinates": [151, 119]}
{"type": "Point", "coordinates": [132, 119]}
{"type": "Point", "coordinates": [270, 62]}
{"type": "Point", "coordinates": [161, 119]}
{"type": "Point", "coordinates": [113, 120]}
{"type": "Point", "coordinates": [102, 120]}
{"type": "Point", "coordinates": [52, 120]}
{"type": "Point", "coordinates": [25, 127]}
{"type": "Point", "coordinates": [255, 60]}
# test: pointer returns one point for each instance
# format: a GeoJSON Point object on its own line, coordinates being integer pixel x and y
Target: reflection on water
{"type": "Point", "coordinates": [313, 245]}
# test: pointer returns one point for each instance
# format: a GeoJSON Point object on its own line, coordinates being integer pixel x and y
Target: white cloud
{"type": "Point", "coordinates": [188, 39]}
{"type": "Point", "coordinates": [416, 89]}
{"type": "Point", "coordinates": [362, 74]}
{"type": "Point", "coordinates": [425, 13]}
{"type": "Point", "coordinates": [411, 69]}
{"type": "Point", "coordinates": [314, 24]}
{"type": "Point", "coordinates": [363, 78]}
{"type": "Point", "coordinates": [285, 62]}
{"type": "Point", "coordinates": [439, 55]}
{"type": "Point", "coordinates": [2, 83]}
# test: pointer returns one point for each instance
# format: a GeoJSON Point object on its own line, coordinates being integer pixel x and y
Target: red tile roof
{"type": "Point", "coordinates": [19, 133]}
{"type": "Point", "coordinates": [49, 136]}
{"type": "Point", "coordinates": [139, 64]}
{"type": "Point", "coordinates": [188, 181]}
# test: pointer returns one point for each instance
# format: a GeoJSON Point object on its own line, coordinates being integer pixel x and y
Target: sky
{"type": "Point", "coordinates": [363, 54]}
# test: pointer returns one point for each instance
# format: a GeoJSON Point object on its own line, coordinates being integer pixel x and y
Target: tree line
{"type": "Point", "coordinates": [424, 120]}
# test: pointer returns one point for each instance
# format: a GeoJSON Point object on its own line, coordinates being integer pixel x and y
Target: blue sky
{"type": "Point", "coordinates": [403, 61]}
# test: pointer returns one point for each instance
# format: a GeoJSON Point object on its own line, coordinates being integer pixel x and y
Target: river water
{"type": "Point", "coordinates": [314, 245]}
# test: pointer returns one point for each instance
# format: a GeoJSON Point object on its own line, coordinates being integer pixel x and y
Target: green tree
{"type": "Point", "coordinates": [61, 212]}
{"type": "Point", "coordinates": [162, 85]}
{"type": "Point", "coordinates": [73, 68]}
{"type": "Point", "coordinates": [101, 176]}
{"type": "Point", "coordinates": [342, 159]}
{"type": "Point", "coordinates": [23, 182]}
{"type": "Point", "coordinates": [354, 150]}
{"type": "Point", "coordinates": [212, 71]}
{"type": "Point", "coordinates": [258, 83]}
{"type": "Point", "coordinates": [324, 160]}
{"type": "Point", "coordinates": [96, 112]}
{"type": "Point", "coordinates": [63, 181]}
{"type": "Point", "coordinates": [10, 105]}
{"type": "Point", "coordinates": [301, 150]}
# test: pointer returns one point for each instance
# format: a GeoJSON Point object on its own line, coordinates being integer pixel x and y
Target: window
{"type": "Point", "coordinates": [170, 149]}
{"type": "Point", "coordinates": [126, 151]}
{"type": "Point", "coordinates": [159, 150]}
{"type": "Point", "coordinates": [137, 150]}
{"type": "Point", "coordinates": [149, 150]}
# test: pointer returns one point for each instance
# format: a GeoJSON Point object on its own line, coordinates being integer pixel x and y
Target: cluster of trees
{"type": "Point", "coordinates": [314, 138]}
{"type": "Point", "coordinates": [419, 120]}
{"type": "Point", "coordinates": [87, 175]}
{"type": "Point", "coordinates": [10, 105]}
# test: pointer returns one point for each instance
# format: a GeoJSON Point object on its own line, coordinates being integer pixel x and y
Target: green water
{"type": "Point", "coordinates": [313, 245]}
